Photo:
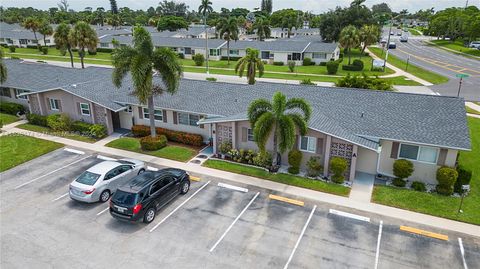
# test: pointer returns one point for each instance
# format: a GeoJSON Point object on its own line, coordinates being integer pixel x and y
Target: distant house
{"type": "Point", "coordinates": [283, 33]}
{"type": "Point", "coordinates": [16, 35]}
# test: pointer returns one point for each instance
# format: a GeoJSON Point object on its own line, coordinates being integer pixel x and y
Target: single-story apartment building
{"type": "Point", "coordinates": [370, 129]}
{"type": "Point", "coordinates": [16, 35]}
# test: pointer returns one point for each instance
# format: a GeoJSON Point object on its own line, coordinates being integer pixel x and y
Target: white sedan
{"type": "Point", "coordinates": [100, 181]}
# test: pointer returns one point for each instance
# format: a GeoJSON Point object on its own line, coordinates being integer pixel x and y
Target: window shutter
{"type": "Point", "coordinates": [59, 106]}
{"type": "Point", "coordinates": [140, 112]}
{"type": "Point", "coordinates": [295, 145]}
{"type": "Point", "coordinates": [49, 107]}
{"type": "Point", "coordinates": [175, 117]}
{"type": "Point", "coordinates": [394, 152]}
{"type": "Point", "coordinates": [442, 157]}
{"type": "Point", "coordinates": [164, 116]}
{"type": "Point", "coordinates": [320, 146]}
{"type": "Point", "coordinates": [244, 134]}
{"type": "Point", "coordinates": [79, 109]}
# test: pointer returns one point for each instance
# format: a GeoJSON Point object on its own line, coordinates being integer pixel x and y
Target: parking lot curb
{"type": "Point", "coordinates": [286, 200]}
{"type": "Point", "coordinates": [424, 233]}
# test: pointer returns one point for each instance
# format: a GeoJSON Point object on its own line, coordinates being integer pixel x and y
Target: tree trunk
{"type": "Point", "coordinates": [81, 52]}
{"type": "Point", "coordinates": [275, 150]}
{"type": "Point", "coordinates": [151, 116]}
{"type": "Point", "coordinates": [349, 55]}
{"type": "Point", "coordinates": [228, 52]}
{"type": "Point", "coordinates": [44, 41]}
{"type": "Point", "coordinates": [71, 55]}
{"type": "Point", "coordinates": [251, 73]}
{"type": "Point", "coordinates": [36, 39]}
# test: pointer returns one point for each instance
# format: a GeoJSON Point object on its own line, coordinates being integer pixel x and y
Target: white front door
{"type": "Point", "coordinates": [126, 120]}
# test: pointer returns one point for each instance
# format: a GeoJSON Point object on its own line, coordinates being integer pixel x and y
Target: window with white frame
{"type": "Point", "coordinates": [158, 114]}
{"type": "Point", "coordinates": [319, 55]}
{"type": "Point", "coordinates": [250, 135]}
{"type": "Point", "coordinates": [18, 92]}
{"type": "Point", "coordinates": [188, 119]}
{"type": "Point", "coordinates": [234, 52]}
{"type": "Point", "coordinates": [418, 153]}
{"type": "Point", "coordinates": [54, 104]}
{"type": "Point", "coordinates": [308, 144]}
{"type": "Point", "coordinates": [47, 41]}
{"type": "Point", "coordinates": [213, 52]}
{"type": "Point", "coordinates": [104, 44]}
{"type": "Point", "coordinates": [85, 109]}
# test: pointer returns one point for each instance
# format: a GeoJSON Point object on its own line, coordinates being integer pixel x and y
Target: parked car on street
{"type": "Point", "coordinates": [392, 45]}
{"type": "Point", "coordinates": [399, 33]}
{"type": "Point", "coordinates": [404, 39]}
{"type": "Point", "coordinates": [100, 181]}
{"type": "Point", "coordinates": [144, 195]}
{"type": "Point", "coordinates": [474, 44]}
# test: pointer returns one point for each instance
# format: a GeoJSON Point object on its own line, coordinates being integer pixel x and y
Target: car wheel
{"type": "Point", "coordinates": [104, 196]}
{"type": "Point", "coordinates": [149, 215]}
{"type": "Point", "coordinates": [185, 187]}
{"type": "Point", "coordinates": [141, 171]}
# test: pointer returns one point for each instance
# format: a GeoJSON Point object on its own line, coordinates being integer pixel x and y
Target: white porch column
{"type": "Point", "coordinates": [234, 134]}
{"type": "Point", "coordinates": [326, 160]}
{"type": "Point", "coordinates": [353, 162]}
{"type": "Point", "coordinates": [92, 113]}
{"type": "Point", "coordinates": [213, 126]}
{"type": "Point", "coordinates": [39, 104]}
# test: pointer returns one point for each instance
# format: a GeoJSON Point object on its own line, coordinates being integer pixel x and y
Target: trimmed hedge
{"type": "Point", "coordinates": [419, 186]}
{"type": "Point", "coordinates": [198, 59]}
{"type": "Point", "coordinates": [332, 67]}
{"type": "Point", "coordinates": [278, 63]}
{"type": "Point", "coordinates": [446, 177]}
{"type": "Point", "coordinates": [294, 160]}
{"type": "Point", "coordinates": [107, 50]}
{"type": "Point", "coordinates": [338, 165]}
{"type": "Point", "coordinates": [322, 64]}
{"type": "Point", "coordinates": [149, 143]}
{"type": "Point", "coordinates": [307, 61]}
{"type": "Point", "coordinates": [44, 50]}
{"type": "Point", "coordinates": [357, 65]}
{"type": "Point", "coordinates": [36, 119]}
{"type": "Point", "coordinates": [232, 58]}
{"type": "Point", "coordinates": [11, 108]}
{"type": "Point", "coordinates": [398, 182]}
{"type": "Point", "coordinates": [59, 122]}
{"type": "Point", "coordinates": [403, 168]}
{"type": "Point", "coordinates": [12, 48]}
{"type": "Point", "coordinates": [174, 136]}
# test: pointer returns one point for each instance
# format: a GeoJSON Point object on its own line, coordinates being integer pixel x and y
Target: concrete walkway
{"type": "Point", "coordinates": [359, 204]}
{"type": "Point", "coordinates": [362, 187]}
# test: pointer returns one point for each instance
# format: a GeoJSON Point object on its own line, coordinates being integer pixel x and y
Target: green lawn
{"type": "Point", "coordinates": [472, 111]}
{"type": "Point", "coordinates": [177, 153]}
{"type": "Point", "coordinates": [412, 69]}
{"type": "Point", "coordinates": [297, 181]}
{"type": "Point", "coordinates": [457, 46]}
{"type": "Point", "coordinates": [16, 149]}
{"type": "Point", "coordinates": [438, 205]}
{"type": "Point", "coordinates": [414, 32]}
{"type": "Point", "coordinates": [7, 118]}
{"type": "Point", "coordinates": [46, 130]}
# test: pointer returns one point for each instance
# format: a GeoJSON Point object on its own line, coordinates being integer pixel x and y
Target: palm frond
{"type": "Point", "coordinates": [121, 61]}
{"type": "Point", "coordinates": [300, 103]}
{"type": "Point", "coordinates": [300, 122]}
{"type": "Point", "coordinates": [279, 101]}
{"type": "Point", "coordinates": [257, 108]}
{"type": "Point", "coordinates": [263, 129]}
{"type": "Point", "coordinates": [165, 61]}
{"type": "Point", "coordinates": [286, 131]}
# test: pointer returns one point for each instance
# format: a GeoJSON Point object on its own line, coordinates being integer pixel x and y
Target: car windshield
{"type": "Point", "coordinates": [125, 198]}
{"type": "Point", "coordinates": [88, 178]}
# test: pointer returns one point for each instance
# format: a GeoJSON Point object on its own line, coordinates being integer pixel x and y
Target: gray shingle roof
{"type": "Point", "coordinates": [278, 45]}
{"type": "Point", "coordinates": [321, 47]}
{"type": "Point", "coordinates": [161, 41]}
{"type": "Point", "coordinates": [359, 116]}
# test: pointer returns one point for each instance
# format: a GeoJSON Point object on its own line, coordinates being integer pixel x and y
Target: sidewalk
{"type": "Point", "coordinates": [352, 202]}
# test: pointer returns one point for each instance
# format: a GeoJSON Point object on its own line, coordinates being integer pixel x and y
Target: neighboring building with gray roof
{"type": "Point", "coordinates": [370, 129]}
{"type": "Point", "coordinates": [16, 35]}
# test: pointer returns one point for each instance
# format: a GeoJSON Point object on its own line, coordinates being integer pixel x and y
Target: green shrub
{"type": "Point", "coordinates": [242, 155]}
{"type": "Point", "coordinates": [36, 119]}
{"type": "Point", "coordinates": [181, 56]}
{"type": "Point", "coordinates": [402, 168]}
{"type": "Point", "coordinates": [1, 123]}
{"type": "Point", "coordinates": [291, 66]}
{"type": "Point", "coordinates": [464, 177]}
{"type": "Point", "coordinates": [263, 159]}
{"type": "Point", "coordinates": [278, 63]}
{"type": "Point", "coordinates": [211, 79]}
{"type": "Point", "coordinates": [314, 167]}
{"type": "Point", "coordinates": [364, 82]}
{"type": "Point", "coordinates": [322, 64]}
{"type": "Point", "coordinates": [44, 50]}
{"type": "Point", "coordinates": [11, 108]}
{"type": "Point", "coordinates": [446, 177]}
{"type": "Point", "coordinates": [307, 61]}
{"type": "Point", "coordinates": [81, 127]}
{"type": "Point", "coordinates": [149, 143]}
{"type": "Point", "coordinates": [377, 69]}
{"type": "Point", "coordinates": [98, 131]}
{"type": "Point", "coordinates": [338, 166]}
{"type": "Point", "coordinates": [399, 182]}
{"type": "Point", "coordinates": [332, 67]}
{"type": "Point", "coordinates": [12, 48]}
{"type": "Point", "coordinates": [174, 136]}
{"type": "Point", "coordinates": [232, 58]}
{"type": "Point", "coordinates": [358, 63]}
{"type": "Point", "coordinates": [306, 81]}
{"type": "Point", "coordinates": [92, 52]}
{"type": "Point", "coordinates": [294, 160]}
{"type": "Point", "coordinates": [225, 147]}
{"type": "Point", "coordinates": [419, 186]}
{"type": "Point", "coordinates": [198, 59]}
{"type": "Point", "coordinates": [140, 130]}
{"type": "Point", "coordinates": [59, 122]}
{"type": "Point", "coordinates": [63, 51]}
{"type": "Point", "coordinates": [107, 50]}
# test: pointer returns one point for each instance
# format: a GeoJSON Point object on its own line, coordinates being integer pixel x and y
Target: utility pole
{"type": "Point", "coordinates": [388, 43]}
{"type": "Point", "coordinates": [207, 52]}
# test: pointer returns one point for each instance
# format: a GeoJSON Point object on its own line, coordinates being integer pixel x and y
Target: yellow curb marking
{"type": "Point", "coordinates": [424, 233]}
{"type": "Point", "coordinates": [286, 200]}
{"type": "Point", "coordinates": [194, 178]}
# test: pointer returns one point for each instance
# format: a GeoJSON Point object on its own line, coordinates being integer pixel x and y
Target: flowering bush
{"type": "Point", "coordinates": [174, 136]}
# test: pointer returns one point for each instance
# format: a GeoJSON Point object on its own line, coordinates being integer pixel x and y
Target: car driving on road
{"type": "Point", "coordinates": [100, 181]}
{"type": "Point", "coordinates": [404, 39]}
{"type": "Point", "coordinates": [144, 195]}
{"type": "Point", "coordinates": [474, 44]}
{"type": "Point", "coordinates": [392, 45]}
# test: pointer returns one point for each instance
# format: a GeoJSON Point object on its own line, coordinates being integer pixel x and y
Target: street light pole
{"type": "Point", "coordinates": [388, 43]}
{"type": "Point", "coordinates": [207, 53]}
{"type": "Point", "coordinates": [459, 86]}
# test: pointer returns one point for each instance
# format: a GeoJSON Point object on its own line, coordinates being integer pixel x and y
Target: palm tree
{"type": "Point", "coordinates": [349, 38]}
{"type": "Point", "coordinates": [32, 24]}
{"type": "Point", "coordinates": [288, 22]}
{"type": "Point", "coordinates": [62, 39]}
{"type": "Point", "coordinates": [84, 37]}
{"type": "Point", "coordinates": [205, 8]}
{"type": "Point", "coordinates": [252, 63]}
{"type": "Point", "coordinates": [114, 20]}
{"type": "Point", "coordinates": [369, 35]}
{"type": "Point", "coordinates": [228, 29]}
{"type": "Point", "coordinates": [3, 69]}
{"type": "Point", "coordinates": [280, 116]}
{"type": "Point", "coordinates": [100, 16]}
{"type": "Point", "coordinates": [45, 29]}
{"type": "Point", "coordinates": [141, 60]}
{"type": "Point", "coordinates": [263, 28]}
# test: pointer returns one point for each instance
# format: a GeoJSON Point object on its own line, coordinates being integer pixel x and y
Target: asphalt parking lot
{"type": "Point", "coordinates": [210, 227]}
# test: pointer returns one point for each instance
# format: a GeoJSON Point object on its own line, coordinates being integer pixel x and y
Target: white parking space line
{"type": "Point", "coordinates": [377, 255]}
{"type": "Point", "coordinates": [462, 250]}
{"type": "Point", "coordinates": [103, 211]}
{"type": "Point", "coordinates": [232, 187]}
{"type": "Point", "coordinates": [233, 223]}
{"type": "Point", "coordinates": [349, 215]}
{"type": "Point", "coordinates": [152, 168]}
{"type": "Point", "coordinates": [60, 197]}
{"type": "Point", "coordinates": [300, 237]}
{"type": "Point", "coordinates": [179, 206]}
{"type": "Point", "coordinates": [54, 171]}
{"type": "Point", "coordinates": [74, 151]}
{"type": "Point", "coordinates": [105, 158]}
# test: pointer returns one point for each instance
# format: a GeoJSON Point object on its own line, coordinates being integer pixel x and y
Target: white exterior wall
{"type": "Point", "coordinates": [14, 99]}
{"type": "Point", "coordinates": [366, 161]}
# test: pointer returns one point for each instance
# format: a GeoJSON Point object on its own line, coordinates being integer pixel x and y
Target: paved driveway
{"type": "Point", "coordinates": [210, 227]}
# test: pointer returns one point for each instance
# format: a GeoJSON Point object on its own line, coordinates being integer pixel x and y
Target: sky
{"type": "Point", "coordinates": [316, 6]}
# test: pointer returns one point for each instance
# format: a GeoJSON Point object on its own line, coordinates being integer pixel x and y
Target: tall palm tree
{"type": "Point", "coordinates": [349, 38]}
{"type": "Point", "coordinates": [369, 35]}
{"type": "Point", "coordinates": [32, 24]}
{"type": "Point", "coordinates": [3, 69]}
{"type": "Point", "coordinates": [281, 117]}
{"type": "Point", "coordinates": [263, 28]}
{"type": "Point", "coordinates": [206, 8]}
{"type": "Point", "coordinates": [84, 37]}
{"type": "Point", "coordinates": [228, 30]}
{"type": "Point", "coordinates": [252, 63]}
{"type": "Point", "coordinates": [45, 29]}
{"type": "Point", "coordinates": [141, 60]}
{"type": "Point", "coordinates": [63, 39]}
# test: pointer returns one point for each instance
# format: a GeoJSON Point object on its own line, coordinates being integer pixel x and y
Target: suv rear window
{"type": "Point", "coordinates": [125, 198]}
{"type": "Point", "coordinates": [88, 178]}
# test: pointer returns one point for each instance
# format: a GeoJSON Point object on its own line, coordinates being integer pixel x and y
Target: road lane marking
{"type": "Point", "coordinates": [232, 187]}
{"type": "Point", "coordinates": [194, 178]}
{"type": "Point", "coordinates": [56, 170]}
{"type": "Point", "coordinates": [462, 250]}
{"type": "Point", "coordinates": [300, 237]}
{"type": "Point", "coordinates": [349, 215]}
{"type": "Point", "coordinates": [233, 223]}
{"type": "Point", "coordinates": [179, 206]}
{"type": "Point", "coordinates": [150, 168]}
{"type": "Point", "coordinates": [105, 158]}
{"type": "Point", "coordinates": [424, 233]}
{"type": "Point", "coordinates": [60, 197]}
{"type": "Point", "coordinates": [74, 151]}
{"type": "Point", "coordinates": [103, 211]}
{"type": "Point", "coordinates": [377, 255]}
{"type": "Point", "coordinates": [286, 200]}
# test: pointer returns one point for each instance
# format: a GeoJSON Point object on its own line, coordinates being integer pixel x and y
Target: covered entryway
{"type": "Point", "coordinates": [125, 119]}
